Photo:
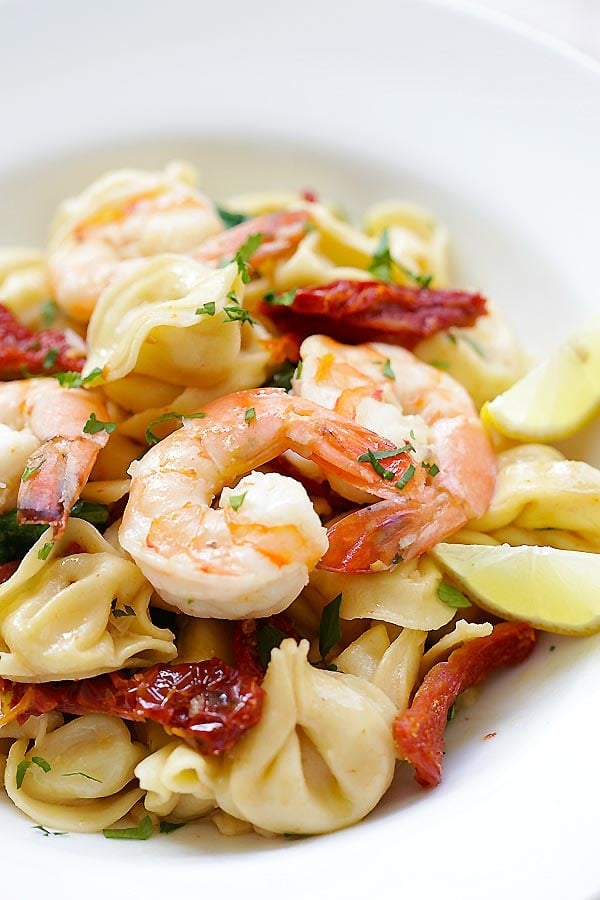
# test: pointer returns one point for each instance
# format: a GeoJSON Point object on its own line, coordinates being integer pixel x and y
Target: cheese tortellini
{"type": "Point", "coordinates": [320, 758]}
{"type": "Point", "coordinates": [74, 609]}
{"type": "Point", "coordinates": [86, 781]}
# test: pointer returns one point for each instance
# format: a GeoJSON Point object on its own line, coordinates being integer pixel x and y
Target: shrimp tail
{"type": "Point", "coordinates": [55, 476]}
{"type": "Point", "coordinates": [377, 537]}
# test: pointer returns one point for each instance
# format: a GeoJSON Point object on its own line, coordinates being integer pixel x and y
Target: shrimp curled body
{"type": "Point", "coordinates": [387, 389]}
{"type": "Point", "coordinates": [252, 555]}
{"type": "Point", "coordinates": [45, 456]}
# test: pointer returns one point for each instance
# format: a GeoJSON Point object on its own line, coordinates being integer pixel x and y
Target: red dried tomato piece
{"type": "Point", "coordinates": [358, 311]}
{"type": "Point", "coordinates": [208, 704]}
{"type": "Point", "coordinates": [8, 569]}
{"type": "Point", "coordinates": [419, 732]}
{"type": "Point", "coordinates": [245, 642]}
{"type": "Point", "coordinates": [25, 352]}
{"type": "Point", "coordinates": [309, 195]}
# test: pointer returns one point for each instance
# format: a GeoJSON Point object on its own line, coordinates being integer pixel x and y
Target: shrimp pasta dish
{"type": "Point", "coordinates": [244, 455]}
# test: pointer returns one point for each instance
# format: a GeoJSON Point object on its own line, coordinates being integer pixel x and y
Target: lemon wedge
{"type": "Point", "coordinates": [553, 590]}
{"type": "Point", "coordinates": [556, 398]}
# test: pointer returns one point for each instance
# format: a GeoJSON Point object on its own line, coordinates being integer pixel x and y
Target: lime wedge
{"type": "Point", "coordinates": [556, 398]}
{"type": "Point", "coordinates": [554, 590]}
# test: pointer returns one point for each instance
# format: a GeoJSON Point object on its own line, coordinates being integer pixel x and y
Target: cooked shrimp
{"type": "Point", "coordinates": [45, 456]}
{"type": "Point", "coordinates": [390, 391]}
{"type": "Point", "coordinates": [252, 555]}
{"type": "Point", "coordinates": [117, 221]}
{"type": "Point", "coordinates": [281, 232]}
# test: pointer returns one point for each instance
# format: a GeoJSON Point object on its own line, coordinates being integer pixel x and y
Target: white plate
{"type": "Point", "coordinates": [499, 134]}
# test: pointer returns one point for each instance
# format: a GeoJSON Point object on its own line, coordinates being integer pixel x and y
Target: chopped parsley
{"type": "Point", "coordinates": [49, 310]}
{"type": "Point", "coordinates": [298, 370]}
{"type": "Point", "coordinates": [439, 363]}
{"type": "Point", "coordinates": [388, 371]}
{"type": "Point", "coordinates": [330, 631]}
{"type": "Point", "coordinates": [46, 550]}
{"type": "Point", "coordinates": [151, 438]}
{"type": "Point", "coordinates": [207, 309]}
{"type": "Point", "coordinates": [237, 313]}
{"type": "Point", "coordinates": [385, 454]}
{"type": "Point", "coordinates": [451, 713]}
{"type": "Point", "coordinates": [75, 380]}
{"type": "Point", "coordinates": [404, 479]}
{"type": "Point", "coordinates": [120, 613]}
{"type": "Point", "coordinates": [50, 358]}
{"type": "Point", "coordinates": [236, 500]}
{"type": "Point", "coordinates": [285, 299]}
{"type": "Point", "coordinates": [382, 264]}
{"type": "Point", "coordinates": [282, 378]}
{"type": "Point", "coordinates": [267, 638]}
{"type": "Point", "coordinates": [431, 468]}
{"type": "Point", "coordinates": [26, 764]}
{"type": "Point", "coordinates": [94, 426]}
{"type": "Point", "coordinates": [242, 257]}
{"type": "Point", "coordinates": [82, 775]}
{"type": "Point", "coordinates": [141, 833]}
{"type": "Point", "coordinates": [371, 457]}
{"type": "Point", "coordinates": [29, 471]}
{"type": "Point", "coordinates": [451, 596]}
{"type": "Point", "coordinates": [249, 415]}
{"type": "Point", "coordinates": [168, 827]}
{"type": "Point", "coordinates": [230, 219]}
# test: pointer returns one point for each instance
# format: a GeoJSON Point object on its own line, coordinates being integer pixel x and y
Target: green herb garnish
{"type": "Point", "coordinates": [236, 500]}
{"type": "Point", "coordinates": [404, 479]}
{"type": "Point", "coordinates": [250, 414]}
{"type": "Point", "coordinates": [384, 454]}
{"type": "Point", "coordinates": [151, 438]}
{"type": "Point", "coordinates": [16, 540]}
{"type": "Point", "coordinates": [45, 551]}
{"type": "Point", "coordinates": [29, 471]}
{"type": "Point", "coordinates": [168, 827]}
{"type": "Point", "coordinates": [243, 255]}
{"type": "Point", "coordinates": [370, 457]}
{"type": "Point", "coordinates": [50, 358]}
{"type": "Point", "coordinates": [451, 596]}
{"type": "Point", "coordinates": [48, 309]}
{"type": "Point", "coordinates": [26, 764]}
{"type": "Point", "coordinates": [94, 426]}
{"type": "Point", "coordinates": [387, 370]}
{"type": "Point", "coordinates": [231, 219]}
{"type": "Point", "coordinates": [82, 775]}
{"type": "Point", "coordinates": [439, 364]}
{"type": "Point", "coordinates": [285, 299]}
{"type": "Point", "coordinates": [282, 378]}
{"type": "Point", "coordinates": [47, 833]}
{"type": "Point", "coordinates": [74, 379]}
{"type": "Point", "coordinates": [431, 468]}
{"type": "Point", "coordinates": [237, 313]}
{"type": "Point", "coordinates": [382, 264]}
{"type": "Point", "coordinates": [141, 833]}
{"type": "Point", "coordinates": [267, 638]}
{"type": "Point", "coordinates": [120, 613]}
{"type": "Point", "coordinates": [330, 631]}
{"type": "Point", "coordinates": [451, 713]}
{"type": "Point", "coordinates": [207, 309]}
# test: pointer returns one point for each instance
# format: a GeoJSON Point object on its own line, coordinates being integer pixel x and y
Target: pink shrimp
{"type": "Point", "coordinates": [390, 391]}
{"type": "Point", "coordinates": [252, 555]}
{"type": "Point", "coordinates": [281, 233]}
{"type": "Point", "coordinates": [47, 458]}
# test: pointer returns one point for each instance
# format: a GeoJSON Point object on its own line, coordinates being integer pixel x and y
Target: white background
{"type": "Point", "coordinates": [575, 21]}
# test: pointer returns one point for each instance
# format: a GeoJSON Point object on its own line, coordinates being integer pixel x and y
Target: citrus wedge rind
{"type": "Point", "coordinates": [553, 590]}
{"type": "Point", "coordinates": [554, 399]}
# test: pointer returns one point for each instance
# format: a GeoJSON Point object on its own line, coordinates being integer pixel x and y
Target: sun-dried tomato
{"type": "Point", "coordinates": [358, 311]}
{"type": "Point", "coordinates": [419, 732]}
{"type": "Point", "coordinates": [309, 195]}
{"type": "Point", "coordinates": [208, 704]}
{"type": "Point", "coordinates": [7, 570]}
{"type": "Point", "coordinates": [245, 643]}
{"type": "Point", "coordinates": [25, 352]}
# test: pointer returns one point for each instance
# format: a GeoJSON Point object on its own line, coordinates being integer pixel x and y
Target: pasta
{"type": "Point", "coordinates": [221, 594]}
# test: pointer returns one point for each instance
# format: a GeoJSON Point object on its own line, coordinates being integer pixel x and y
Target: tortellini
{"type": "Point", "coordinates": [406, 597]}
{"type": "Point", "coordinates": [74, 609]}
{"type": "Point", "coordinates": [485, 358]}
{"type": "Point", "coordinates": [320, 758]}
{"type": "Point", "coordinates": [392, 666]}
{"type": "Point", "coordinates": [24, 283]}
{"type": "Point", "coordinates": [147, 322]}
{"type": "Point", "coordinates": [85, 783]}
{"type": "Point", "coordinates": [543, 498]}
